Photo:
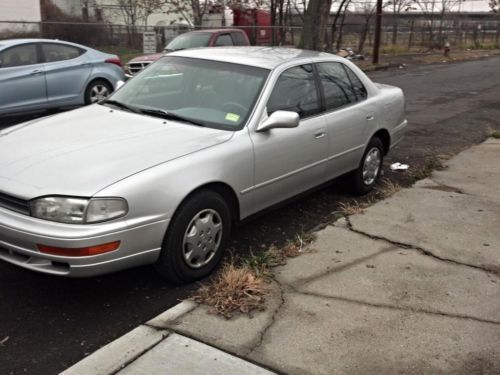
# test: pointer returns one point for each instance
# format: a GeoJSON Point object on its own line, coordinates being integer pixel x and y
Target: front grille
{"type": "Point", "coordinates": [15, 204]}
{"type": "Point", "coordinates": [135, 68]}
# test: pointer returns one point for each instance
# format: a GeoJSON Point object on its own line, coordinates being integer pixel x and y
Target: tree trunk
{"type": "Point", "coordinates": [315, 22]}
{"type": "Point", "coordinates": [341, 29]}
{"type": "Point", "coordinates": [334, 25]}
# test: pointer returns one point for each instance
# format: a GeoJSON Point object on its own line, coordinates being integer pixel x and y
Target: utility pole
{"type": "Point", "coordinates": [378, 31]}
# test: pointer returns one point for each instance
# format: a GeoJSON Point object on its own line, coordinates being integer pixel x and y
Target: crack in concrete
{"type": "Point", "coordinates": [395, 307]}
{"type": "Point", "coordinates": [423, 251]}
{"type": "Point", "coordinates": [443, 187]}
{"type": "Point", "coordinates": [271, 322]}
{"type": "Point", "coordinates": [307, 280]}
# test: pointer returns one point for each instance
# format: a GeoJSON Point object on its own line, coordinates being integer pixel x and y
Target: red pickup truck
{"type": "Point", "coordinates": [193, 39]}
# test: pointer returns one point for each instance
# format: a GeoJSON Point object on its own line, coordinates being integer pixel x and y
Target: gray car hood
{"type": "Point", "coordinates": [80, 152]}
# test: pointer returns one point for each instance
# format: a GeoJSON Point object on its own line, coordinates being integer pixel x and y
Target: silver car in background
{"type": "Point", "coordinates": [159, 172]}
{"type": "Point", "coordinates": [40, 74]}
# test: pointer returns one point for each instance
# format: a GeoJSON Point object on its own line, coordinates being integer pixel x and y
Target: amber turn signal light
{"type": "Point", "coordinates": [79, 251]}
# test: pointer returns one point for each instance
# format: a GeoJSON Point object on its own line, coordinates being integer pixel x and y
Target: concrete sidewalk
{"type": "Point", "coordinates": [412, 285]}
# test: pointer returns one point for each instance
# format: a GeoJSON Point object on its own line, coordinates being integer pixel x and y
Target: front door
{"type": "Point", "coordinates": [290, 161]}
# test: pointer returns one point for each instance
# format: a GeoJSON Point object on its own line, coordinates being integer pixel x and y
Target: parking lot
{"type": "Point", "coordinates": [450, 107]}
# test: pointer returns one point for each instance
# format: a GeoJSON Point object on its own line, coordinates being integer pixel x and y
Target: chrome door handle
{"type": "Point", "coordinates": [319, 134]}
{"type": "Point", "coordinates": [36, 71]}
{"type": "Point", "coordinates": [370, 117]}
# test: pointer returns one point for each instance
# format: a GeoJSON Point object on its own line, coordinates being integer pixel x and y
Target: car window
{"type": "Point", "coordinates": [359, 88]}
{"type": "Point", "coordinates": [218, 94]}
{"type": "Point", "coordinates": [18, 56]}
{"type": "Point", "coordinates": [60, 52]}
{"type": "Point", "coordinates": [189, 40]}
{"type": "Point", "coordinates": [337, 87]}
{"type": "Point", "coordinates": [295, 91]}
{"type": "Point", "coordinates": [239, 39]}
{"type": "Point", "coordinates": [224, 40]}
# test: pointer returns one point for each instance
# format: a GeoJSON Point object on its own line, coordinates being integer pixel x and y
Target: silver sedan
{"type": "Point", "coordinates": [40, 74]}
{"type": "Point", "coordinates": [159, 172]}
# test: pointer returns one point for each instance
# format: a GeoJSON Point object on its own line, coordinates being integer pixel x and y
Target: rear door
{"type": "Point", "coordinates": [67, 70]}
{"type": "Point", "coordinates": [22, 79]}
{"type": "Point", "coordinates": [350, 116]}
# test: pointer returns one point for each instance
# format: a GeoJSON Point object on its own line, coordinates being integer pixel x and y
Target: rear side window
{"type": "Point", "coordinates": [359, 88]}
{"type": "Point", "coordinates": [224, 40]}
{"type": "Point", "coordinates": [60, 52]}
{"type": "Point", "coordinates": [25, 54]}
{"type": "Point", "coordinates": [295, 91]}
{"type": "Point", "coordinates": [239, 39]}
{"type": "Point", "coordinates": [337, 87]}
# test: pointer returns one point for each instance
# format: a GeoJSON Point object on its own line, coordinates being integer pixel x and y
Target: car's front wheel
{"type": "Point", "coordinates": [195, 240]}
{"type": "Point", "coordinates": [97, 90]}
{"type": "Point", "coordinates": [365, 177]}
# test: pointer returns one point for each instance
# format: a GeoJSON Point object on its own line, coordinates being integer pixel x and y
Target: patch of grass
{"type": "Point", "coordinates": [262, 262]}
{"type": "Point", "coordinates": [496, 134]}
{"type": "Point", "coordinates": [241, 285]}
{"type": "Point", "coordinates": [353, 207]}
{"type": "Point", "coordinates": [234, 289]}
{"type": "Point", "coordinates": [430, 164]}
{"type": "Point", "coordinates": [386, 188]}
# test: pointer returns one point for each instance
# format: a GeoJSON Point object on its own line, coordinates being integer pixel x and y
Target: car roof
{"type": "Point", "coordinates": [13, 42]}
{"type": "Point", "coordinates": [262, 57]}
{"type": "Point", "coordinates": [213, 31]}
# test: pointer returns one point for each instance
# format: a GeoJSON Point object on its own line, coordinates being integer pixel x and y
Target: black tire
{"type": "Point", "coordinates": [359, 186]}
{"type": "Point", "coordinates": [89, 99]}
{"type": "Point", "coordinates": [171, 263]}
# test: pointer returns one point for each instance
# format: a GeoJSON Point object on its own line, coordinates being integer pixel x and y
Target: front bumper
{"type": "Point", "coordinates": [140, 243]}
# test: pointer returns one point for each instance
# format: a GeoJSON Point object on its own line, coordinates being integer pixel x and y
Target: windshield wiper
{"type": "Point", "coordinates": [169, 116]}
{"type": "Point", "coordinates": [120, 105]}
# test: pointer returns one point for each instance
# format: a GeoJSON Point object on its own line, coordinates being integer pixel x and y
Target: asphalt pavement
{"type": "Point", "coordinates": [49, 323]}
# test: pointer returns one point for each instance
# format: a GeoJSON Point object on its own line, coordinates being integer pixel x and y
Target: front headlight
{"type": "Point", "coordinates": [78, 210]}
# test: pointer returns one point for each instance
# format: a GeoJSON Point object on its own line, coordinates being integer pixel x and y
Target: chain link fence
{"type": "Point", "coordinates": [408, 34]}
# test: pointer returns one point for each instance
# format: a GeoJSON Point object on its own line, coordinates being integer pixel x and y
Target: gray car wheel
{"type": "Point", "coordinates": [365, 177]}
{"type": "Point", "coordinates": [194, 243]}
{"type": "Point", "coordinates": [97, 90]}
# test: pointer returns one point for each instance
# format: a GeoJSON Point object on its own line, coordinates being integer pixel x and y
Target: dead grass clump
{"type": "Point", "coordinates": [430, 164]}
{"type": "Point", "coordinates": [354, 207]}
{"type": "Point", "coordinates": [387, 188]}
{"type": "Point", "coordinates": [234, 289]}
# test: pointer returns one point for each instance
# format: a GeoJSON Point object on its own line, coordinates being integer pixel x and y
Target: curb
{"type": "Point", "coordinates": [150, 348]}
{"type": "Point", "coordinates": [116, 355]}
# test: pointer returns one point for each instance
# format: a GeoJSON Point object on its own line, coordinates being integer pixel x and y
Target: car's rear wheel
{"type": "Point", "coordinates": [195, 240]}
{"type": "Point", "coordinates": [97, 90]}
{"type": "Point", "coordinates": [365, 177]}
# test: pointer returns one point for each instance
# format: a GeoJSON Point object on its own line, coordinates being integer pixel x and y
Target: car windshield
{"type": "Point", "coordinates": [185, 41]}
{"type": "Point", "coordinates": [194, 91]}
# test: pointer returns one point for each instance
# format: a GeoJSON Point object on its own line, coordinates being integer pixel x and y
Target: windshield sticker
{"type": "Point", "coordinates": [232, 117]}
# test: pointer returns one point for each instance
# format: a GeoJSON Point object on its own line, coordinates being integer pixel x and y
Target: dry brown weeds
{"type": "Point", "coordinates": [234, 289]}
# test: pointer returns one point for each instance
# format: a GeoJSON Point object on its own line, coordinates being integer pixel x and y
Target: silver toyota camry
{"type": "Point", "coordinates": [159, 172]}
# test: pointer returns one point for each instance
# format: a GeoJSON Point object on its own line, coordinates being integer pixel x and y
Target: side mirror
{"type": "Point", "coordinates": [119, 84]}
{"type": "Point", "coordinates": [280, 119]}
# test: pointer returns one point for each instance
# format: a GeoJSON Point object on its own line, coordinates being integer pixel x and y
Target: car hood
{"type": "Point", "coordinates": [81, 152]}
{"type": "Point", "coordinates": [151, 57]}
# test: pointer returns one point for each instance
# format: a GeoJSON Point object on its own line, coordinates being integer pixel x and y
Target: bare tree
{"type": "Point", "coordinates": [315, 22]}
{"type": "Point", "coordinates": [368, 11]}
{"type": "Point", "coordinates": [495, 6]}
{"type": "Point", "coordinates": [397, 6]}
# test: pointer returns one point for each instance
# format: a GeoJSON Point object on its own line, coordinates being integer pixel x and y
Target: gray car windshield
{"type": "Point", "coordinates": [189, 41]}
{"type": "Point", "coordinates": [194, 91]}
